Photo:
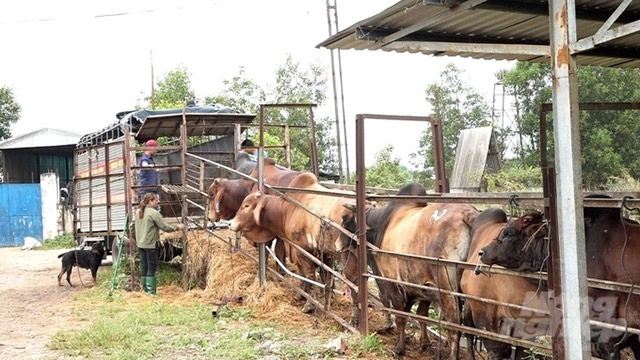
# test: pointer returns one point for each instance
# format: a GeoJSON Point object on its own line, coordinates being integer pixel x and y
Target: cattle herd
{"type": "Point", "coordinates": [447, 231]}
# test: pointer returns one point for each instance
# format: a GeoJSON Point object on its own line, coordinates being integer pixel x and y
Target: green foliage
{"type": "Point", "coordinates": [458, 106]}
{"type": "Point", "coordinates": [293, 83]}
{"type": "Point", "coordinates": [605, 135]}
{"type": "Point", "coordinates": [9, 112]}
{"type": "Point", "coordinates": [366, 345]}
{"type": "Point", "coordinates": [240, 93]}
{"type": "Point", "coordinates": [530, 84]}
{"type": "Point", "coordinates": [59, 242]}
{"type": "Point", "coordinates": [622, 183]}
{"type": "Point", "coordinates": [517, 178]}
{"type": "Point", "coordinates": [387, 172]}
{"type": "Point", "coordinates": [173, 90]}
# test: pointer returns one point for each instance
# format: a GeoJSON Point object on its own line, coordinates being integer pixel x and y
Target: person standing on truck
{"type": "Point", "coordinates": [148, 177]}
{"type": "Point", "coordinates": [249, 147]}
{"type": "Point", "coordinates": [146, 231]}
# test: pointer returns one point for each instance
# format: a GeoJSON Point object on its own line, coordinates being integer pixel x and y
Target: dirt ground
{"type": "Point", "coordinates": [33, 306]}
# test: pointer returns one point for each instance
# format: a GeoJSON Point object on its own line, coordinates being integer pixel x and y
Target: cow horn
{"type": "Point", "coordinates": [258, 194]}
{"type": "Point", "coordinates": [350, 206]}
{"type": "Point", "coordinates": [216, 182]}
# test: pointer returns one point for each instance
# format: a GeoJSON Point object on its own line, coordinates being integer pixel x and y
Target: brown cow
{"type": "Point", "coordinates": [349, 258]}
{"type": "Point", "coordinates": [510, 289]}
{"type": "Point", "coordinates": [225, 195]}
{"type": "Point", "coordinates": [607, 234]}
{"type": "Point", "coordinates": [262, 217]}
{"type": "Point", "coordinates": [440, 230]}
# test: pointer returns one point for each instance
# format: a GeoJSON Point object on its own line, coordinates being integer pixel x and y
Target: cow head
{"type": "Point", "coordinates": [520, 246]}
{"type": "Point", "coordinates": [223, 203]}
{"type": "Point", "coordinates": [249, 219]}
{"type": "Point", "coordinates": [348, 221]}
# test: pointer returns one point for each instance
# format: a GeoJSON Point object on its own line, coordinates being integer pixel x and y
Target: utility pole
{"type": "Point", "coordinates": [334, 7]}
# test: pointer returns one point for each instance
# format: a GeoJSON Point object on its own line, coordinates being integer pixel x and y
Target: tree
{"type": "Point", "coordinates": [459, 107]}
{"type": "Point", "coordinates": [530, 85]}
{"type": "Point", "coordinates": [605, 135]}
{"type": "Point", "coordinates": [173, 90]}
{"type": "Point", "coordinates": [387, 172]}
{"type": "Point", "coordinates": [242, 94]}
{"type": "Point", "coordinates": [293, 83]}
{"type": "Point", "coordinates": [9, 112]}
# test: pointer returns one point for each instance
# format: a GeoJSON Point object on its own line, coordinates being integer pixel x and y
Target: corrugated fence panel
{"type": "Point", "coordinates": [20, 213]}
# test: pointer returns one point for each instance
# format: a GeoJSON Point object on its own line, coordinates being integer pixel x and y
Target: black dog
{"type": "Point", "coordinates": [86, 259]}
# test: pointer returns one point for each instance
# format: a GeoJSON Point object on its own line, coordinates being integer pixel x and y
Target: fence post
{"type": "Point", "coordinates": [362, 227]}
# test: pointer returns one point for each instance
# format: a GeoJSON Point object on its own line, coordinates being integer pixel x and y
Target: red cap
{"type": "Point", "coordinates": [151, 143]}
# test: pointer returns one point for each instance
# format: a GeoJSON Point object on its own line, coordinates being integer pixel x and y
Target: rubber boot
{"type": "Point", "coordinates": [152, 285]}
{"type": "Point", "coordinates": [143, 283]}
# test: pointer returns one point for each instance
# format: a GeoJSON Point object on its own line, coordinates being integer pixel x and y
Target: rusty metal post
{"type": "Point", "coordinates": [314, 147]}
{"type": "Point", "coordinates": [442, 185]}
{"type": "Point", "coordinates": [237, 131]}
{"type": "Point", "coordinates": [201, 179]}
{"type": "Point", "coordinates": [362, 226]}
{"type": "Point", "coordinates": [287, 145]}
{"type": "Point", "coordinates": [184, 142]}
{"type": "Point", "coordinates": [554, 289]}
{"type": "Point", "coordinates": [128, 162]}
{"type": "Point", "coordinates": [107, 184]}
{"type": "Point", "coordinates": [262, 252]}
{"type": "Point", "coordinates": [570, 224]}
{"type": "Point", "coordinates": [76, 196]}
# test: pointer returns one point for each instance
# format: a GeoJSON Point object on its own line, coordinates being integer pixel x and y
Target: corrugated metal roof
{"type": "Point", "coordinates": [197, 124]}
{"type": "Point", "coordinates": [517, 29]}
{"type": "Point", "coordinates": [41, 138]}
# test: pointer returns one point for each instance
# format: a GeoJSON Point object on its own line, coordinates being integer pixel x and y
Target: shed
{"type": "Point", "coordinates": [565, 33]}
{"type": "Point", "coordinates": [27, 156]}
{"type": "Point", "coordinates": [477, 154]}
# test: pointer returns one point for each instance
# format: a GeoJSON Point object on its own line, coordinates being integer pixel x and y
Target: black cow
{"type": "Point", "coordinates": [610, 238]}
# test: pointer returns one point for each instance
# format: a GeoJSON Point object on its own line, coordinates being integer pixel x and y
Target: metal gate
{"type": "Point", "coordinates": [20, 213]}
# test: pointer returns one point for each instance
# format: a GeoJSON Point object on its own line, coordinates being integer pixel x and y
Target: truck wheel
{"type": "Point", "coordinates": [115, 247]}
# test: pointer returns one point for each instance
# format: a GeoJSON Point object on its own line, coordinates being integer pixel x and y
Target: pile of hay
{"type": "Point", "coordinates": [231, 277]}
{"type": "Point", "coordinates": [228, 277]}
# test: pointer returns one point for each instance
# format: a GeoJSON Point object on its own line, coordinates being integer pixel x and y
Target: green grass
{"type": "Point", "coordinates": [110, 327]}
{"type": "Point", "coordinates": [59, 242]}
{"type": "Point", "coordinates": [370, 344]}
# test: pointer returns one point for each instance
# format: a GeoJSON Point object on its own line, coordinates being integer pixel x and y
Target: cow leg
{"type": "Point", "coordinates": [451, 312]}
{"type": "Point", "coordinates": [281, 255]}
{"type": "Point", "coordinates": [634, 344]}
{"type": "Point", "coordinates": [307, 269]}
{"type": "Point", "coordinates": [423, 310]}
{"type": "Point", "coordinates": [328, 281]}
{"type": "Point", "coordinates": [401, 324]}
{"type": "Point", "coordinates": [467, 320]}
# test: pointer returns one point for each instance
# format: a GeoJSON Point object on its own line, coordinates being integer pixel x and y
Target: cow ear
{"type": "Point", "coordinates": [257, 212]}
{"type": "Point", "coordinates": [350, 206]}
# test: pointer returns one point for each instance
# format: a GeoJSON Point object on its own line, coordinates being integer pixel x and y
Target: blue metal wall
{"type": "Point", "coordinates": [20, 213]}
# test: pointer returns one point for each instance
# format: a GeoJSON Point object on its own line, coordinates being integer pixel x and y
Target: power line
{"type": "Point", "coordinates": [99, 16]}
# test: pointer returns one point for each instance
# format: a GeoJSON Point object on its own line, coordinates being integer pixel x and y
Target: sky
{"type": "Point", "coordinates": [74, 64]}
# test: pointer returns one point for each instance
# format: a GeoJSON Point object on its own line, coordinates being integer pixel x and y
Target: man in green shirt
{"type": "Point", "coordinates": [146, 230]}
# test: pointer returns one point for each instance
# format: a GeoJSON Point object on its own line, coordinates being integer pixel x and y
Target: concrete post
{"type": "Point", "coordinates": [50, 195]}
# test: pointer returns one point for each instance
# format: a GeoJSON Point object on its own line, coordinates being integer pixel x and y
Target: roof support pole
{"type": "Point", "coordinates": [574, 327]}
{"type": "Point", "coordinates": [262, 253]}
